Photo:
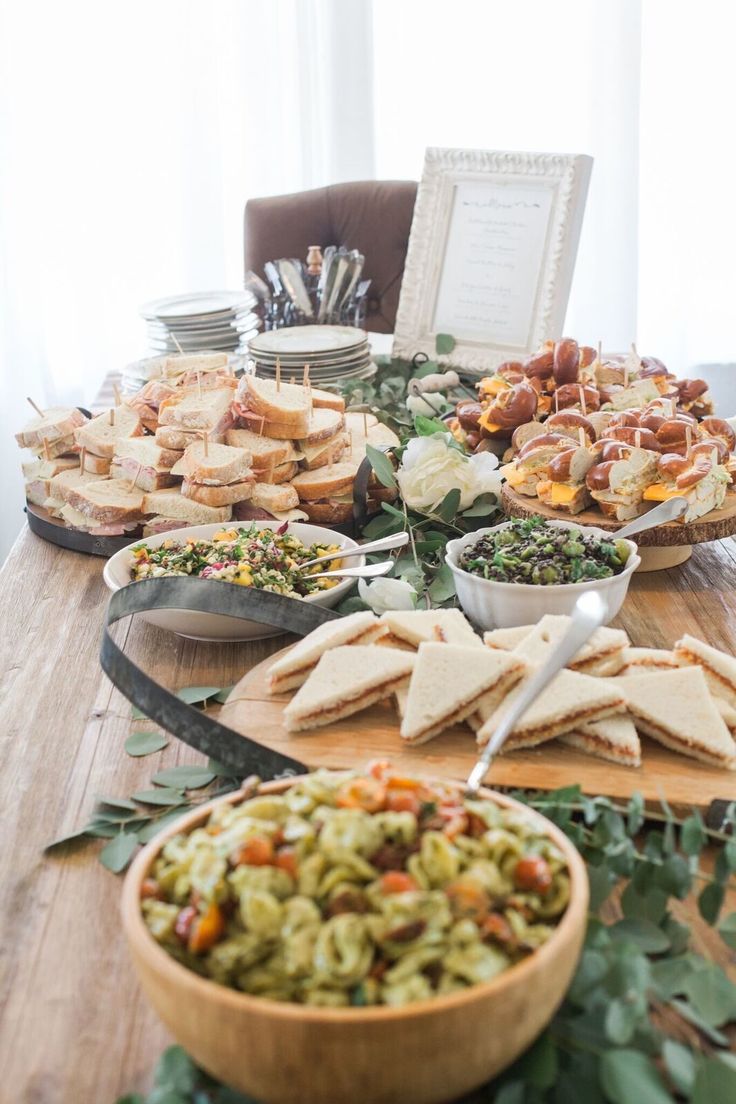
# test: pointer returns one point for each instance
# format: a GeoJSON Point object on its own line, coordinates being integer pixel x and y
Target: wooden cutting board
{"type": "Point", "coordinates": [683, 782]}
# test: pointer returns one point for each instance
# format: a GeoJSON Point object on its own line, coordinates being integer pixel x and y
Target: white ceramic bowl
{"type": "Point", "coordinates": [494, 605]}
{"type": "Point", "coordinates": [215, 626]}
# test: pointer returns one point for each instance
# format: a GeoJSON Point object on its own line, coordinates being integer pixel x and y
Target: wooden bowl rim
{"type": "Point", "coordinates": [179, 975]}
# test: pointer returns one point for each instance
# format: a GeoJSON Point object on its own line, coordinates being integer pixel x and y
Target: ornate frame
{"type": "Point", "coordinates": [567, 177]}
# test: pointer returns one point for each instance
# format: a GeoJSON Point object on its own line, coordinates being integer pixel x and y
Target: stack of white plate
{"type": "Point", "coordinates": [332, 352]}
{"type": "Point", "coordinates": [204, 321]}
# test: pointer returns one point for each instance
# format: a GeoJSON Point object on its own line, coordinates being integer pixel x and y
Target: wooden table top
{"type": "Point", "coordinates": [74, 1027]}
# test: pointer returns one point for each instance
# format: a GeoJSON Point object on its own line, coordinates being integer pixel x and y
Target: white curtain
{"type": "Point", "coordinates": [132, 132]}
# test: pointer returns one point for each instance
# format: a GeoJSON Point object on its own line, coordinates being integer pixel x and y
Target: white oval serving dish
{"type": "Point", "coordinates": [493, 605]}
{"type": "Point", "coordinates": [215, 626]}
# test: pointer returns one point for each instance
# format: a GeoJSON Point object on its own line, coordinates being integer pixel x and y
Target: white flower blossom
{"type": "Point", "coordinates": [387, 594]}
{"type": "Point", "coordinates": [430, 467]}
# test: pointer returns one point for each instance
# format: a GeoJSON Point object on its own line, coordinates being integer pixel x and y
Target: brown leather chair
{"type": "Point", "coordinates": [373, 216]}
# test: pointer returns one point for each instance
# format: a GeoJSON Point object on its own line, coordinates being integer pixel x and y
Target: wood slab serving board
{"type": "Point", "coordinates": [374, 733]}
{"type": "Point", "coordinates": [713, 526]}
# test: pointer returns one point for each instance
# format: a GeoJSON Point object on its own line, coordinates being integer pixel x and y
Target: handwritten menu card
{"type": "Point", "coordinates": [493, 260]}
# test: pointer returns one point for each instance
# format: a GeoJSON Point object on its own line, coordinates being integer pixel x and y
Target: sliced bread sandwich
{"type": "Point", "coordinates": [62, 484]}
{"type": "Point", "coordinates": [506, 639]}
{"type": "Point", "coordinates": [213, 465]}
{"type": "Point", "coordinates": [293, 668]}
{"type": "Point", "coordinates": [613, 738]}
{"type": "Point", "coordinates": [326, 440]}
{"type": "Point", "coordinates": [676, 708]}
{"type": "Point", "coordinates": [144, 463]}
{"type": "Point", "coordinates": [571, 699]}
{"type": "Point", "coordinates": [101, 435]}
{"type": "Point", "coordinates": [410, 628]}
{"type": "Point", "coordinates": [208, 410]}
{"type": "Point", "coordinates": [171, 510]}
{"type": "Point", "coordinates": [270, 501]}
{"type": "Point", "coordinates": [326, 400]}
{"type": "Point", "coordinates": [172, 437]}
{"type": "Point", "coordinates": [345, 681]}
{"type": "Point", "coordinates": [288, 405]}
{"type": "Point", "coordinates": [602, 655]}
{"type": "Point", "coordinates": [109, 502]}
{"type": "Point", "coordinates": [38, 474]}
{"type": "Point", "coordinates": [448, 683]}
{"type": "Point", "coordinates": [58, 424]}
{"type": "Point", "coordinates": [638, 661]}
{"type": "Point", "coordinates": [718, 667]}
{"type": "Point", "coordinates": [326, 494]}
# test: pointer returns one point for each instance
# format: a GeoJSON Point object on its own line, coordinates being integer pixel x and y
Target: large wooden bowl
{"type": "Point", "coordinates": [430, 1052]}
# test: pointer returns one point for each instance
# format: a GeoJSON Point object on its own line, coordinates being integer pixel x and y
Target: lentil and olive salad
{"type": "Point", "coordinates": [533, 551]}
{"type": "Point", "coordinates": [356, 889]}
{"type": "Point", "coordinates": [267, 559]}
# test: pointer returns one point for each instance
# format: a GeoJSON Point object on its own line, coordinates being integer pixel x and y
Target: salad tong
{"type": "Point", "coordinates": [590, 612]}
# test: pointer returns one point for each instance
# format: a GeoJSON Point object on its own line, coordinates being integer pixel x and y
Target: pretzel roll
{"type": "Point", "coordinates": [513, 367]}
{"type": "Point", "coordinates": [697, 470]}
{"type": "Point", "coordinates": [625, 418]}
{"type": "Point", "coordinates": [468, 414]}
{"type": "Point", "coordinates": [513, 407]}
{"type": "Point", "coordinates": [690, 390]}
{"type": "Point", "coordinates": [672, 464]}
{"type": "Point", "coordinates": [718, 427]}
{"type": "Point", "coordinates": [652, 422]}
{"type": "Point", "coordinates": [544, 440]}
{"type": "Point", "coordinates": [565, 361]}
{"type": "Point", "coordinates": [708, 446]}
{"type": "Point", "coordinates": [652, 366]}
{"type": "Point", "coordinates": [472, 440]}
{"type": "Point", "coordinates": [540, 365]}
{"type": "Point", "coordinates": [587, 356]}
{"type": "Point", "coordinates": [608, 391]}
{"type": "Point", "coordinates": [609, 449]}
{"type": "Point", "coordinates": [599, 476]}
{"type": "Point", "coordinates": [672, 435]}
{"type": "Point", "coordinates": [570, 422]}
{"type": "Point", "coordinates": [569, 395]}
{"type": "Point", "coordinates": [637, 438]}
{"type": "Point", "coordinates": [523, 434]}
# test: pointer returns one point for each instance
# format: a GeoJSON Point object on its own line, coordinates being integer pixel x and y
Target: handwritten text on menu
{"type": "Point", "coordinates": [492, 263]}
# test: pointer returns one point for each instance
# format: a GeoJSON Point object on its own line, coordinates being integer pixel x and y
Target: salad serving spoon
{"type": "Point", "coordinates": [385, 544]}
{"type": "Point", "coordinates": [666, 511]}
{"type": "Point", "coordinates": [367, 571]}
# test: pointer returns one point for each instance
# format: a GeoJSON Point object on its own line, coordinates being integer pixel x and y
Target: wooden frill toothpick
{"type": "Point", "coordinates": [116, 393]}
{"type": "Point", "coordinates": [82, 458]}
{"type": "Point", "coordinates": [46, 450]}
{"type": "Point", "coordinates": [179, 349]}
{"type": "Point", "coordinates": [131, 485]}
{"type": "Point", "coordinates": [637, 438]}
{"type": "Point", "coordinates": [206, 442]}
{"type": "Point", "coordinates": [581, 393]}
{"type": "Point", "coordinates": [38, 409]}
{"type": "Point", "coordinates": [263, 422]}
{"type": "Point", "coordinates": [581, 437]}
{"type": "Point", "coordinates": [305, 377]}
{"type": "Point", "coordinates": [112, 416]}
{"type": "Point", "coordinates": [688, 436]}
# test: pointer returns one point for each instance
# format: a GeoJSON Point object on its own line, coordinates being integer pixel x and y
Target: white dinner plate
{"type": "Point", "coordinates": [307, 340]}
{"type": "Point", "coordinates": [215, 626]}
{"type": "Point", "coordinates": [197, 304]}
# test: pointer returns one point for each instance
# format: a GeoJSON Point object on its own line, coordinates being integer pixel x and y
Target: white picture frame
{"type": "Point", "coordinates": [491, 254]}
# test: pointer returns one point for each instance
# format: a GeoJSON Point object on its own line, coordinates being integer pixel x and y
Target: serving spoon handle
{"type": "Point", "coordinates": [367, 571]}
{"type": "Point", "coordinates": [385, 544]}
{"type": "Point", "coordinates": [666, 511]}
{"type": "Point", "coordinates": [590, 611]}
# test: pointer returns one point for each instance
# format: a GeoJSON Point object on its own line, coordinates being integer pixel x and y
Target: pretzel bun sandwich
{"type": "Point", "coordinates": [565, 486]}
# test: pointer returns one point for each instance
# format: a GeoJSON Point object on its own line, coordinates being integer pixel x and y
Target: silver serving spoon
{"type": "Point", "coordinates": [590, 612]}
{"type": "Point", "coordinates": [365, 572]}
{"type": "Point", "coordinates": [385, 544]}
{"type": "Point", "coordinates": [666, 511]}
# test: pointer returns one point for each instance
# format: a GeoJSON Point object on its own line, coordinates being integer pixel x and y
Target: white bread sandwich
{"type": "Point", "coordinates": [39, 473]}
{"type": "Point", "coordinates": [144, 463]}
{"type": "Point", "coordinates": [293, 668]}
{"type": "Point", "coordinates": [109, 504]}
{"type": "Point", "coordinates": [570, 700]}
{"type": "Point", "coordinates": [101, 435]}
{"type": "Point", "coordinates": [719, 667]}
{"type": "Point", "coordinates": [270, 502]}
{"type": "Point", "coordinates": [58, 424]}
{"type": "Point", "coordinates": [613, 738]}
{"type": "Point", "coordinates": [326, 400]}
{"type": "Point", "coordinates": [603, 654]}
{"type": "Point", "coordinates": [506, 639]}
{"type": "Point", "coordinates": [637, 661]}
{"type": "Point", "coordinates": [172, 437]}
{"type": "Point", "coordinates": [345, 681]}
{"type": "Point", "coordinates": [207, 410]}
{"type": "Point", "coordinates": [213, 465]}
{"type": "Point", "coordinates": [183, 363]}
{"type": "Point", "coordinates": [326, 441]}
{"type": "Point", "coordinates": [449, 682]}
{"type": "Point", "coordinates": [267, 453]}
{"type": "Point", "coordinates": [171, 510]}
{"type": "Point", "coordinates": [326, 495]}
{"type": "Point", "coordinates": [287, 405]}
{"type": "Point", "coordinates": [676, 709]}
{"type": "Point", "coordinates": [227, 495]}
{"type": "Point", "coordinates": [96, 465]}
{"type": "Point", "coordinates": [728, 713]}
{"type": "Point", "coordinates": [410, 628]}
{"type": "Point", "coordinates": [62, 484]}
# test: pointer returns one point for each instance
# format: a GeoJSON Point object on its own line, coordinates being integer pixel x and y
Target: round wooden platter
{"type": "Point", "coordinates": [713, 526]}
{"type": "Point", "coordinates": [55, 531]}
{"type": "Point", "coordinates": [374, 734]}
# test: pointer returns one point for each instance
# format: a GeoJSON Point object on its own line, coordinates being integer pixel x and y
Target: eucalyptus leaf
{"type": "Point", "coordinates": [539, 1065]}
{"type": "Point", "coordinates": [159, 823]}
{"type": "Point", "coordinates": [679, 1062]}
{"type": "Point", "coordinates": [629, 1077]}
{"type": "Point", "coordinates": [427, 369]}
{"type": "Point", "coordinates": [449, 504]}
{"type": "Point", "coordinates": [98, 829]}
{"type": "Point", "coordinates": [195, 695]}
{"type": "Point", "coordinates": [184, 777]}
{"type": "Point", "coordinates": [381, 465]}
{"type": "Point", "coordinates": [444, 344]}
{"type": "Point", "coordinates": [710, 901]}
{"type": "Point", "coordinates": [118, 852]}
{"type": "Point", "coordinates": [686, 1010]}
{"type": "Point", "coordinates": [164, 795]}
{"type": "Point", "coordinates": [145, 743]}
{"type": "Point", "coordinates": [622, 1017]}
{"type": "Point", "coordinates": [117, 803]}
{"type": "Point", "coordinates": [646, 934]}
{"type": "Point", "coordinates": [138, 715]}
{"type": "Point", "coordinates": [482, 506]}
{"type": "Point", "coordinates": [63, 841]}
{"type": "Point", "coordinates": [176, 1071]}
{"type": "Point", "coordinates": [223, 694]}
{"type": "Point", "coordinates": [711, 994]}
{"type": "Point", "coordinates": [715, 1082]}
{"type": "Point", "coordinates": [442, 586]}
{"type": "Point", "coordinates": [635, 813]}
{"type": "Point", "coordinates": [727, 931]}
{"type": "Point", "coordinates": [427, 427]}
{"type": "Point", "coordinates": [599, 881]}
{"type": "Point", "coordinates": [693, 836]}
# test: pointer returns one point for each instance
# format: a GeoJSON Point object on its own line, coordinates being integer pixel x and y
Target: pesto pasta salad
{"type": "Point", "coordinates": [356, 889]}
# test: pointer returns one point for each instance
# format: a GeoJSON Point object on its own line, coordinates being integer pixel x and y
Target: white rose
{"type": "Point", "coordinates": [430, 467]}
{"type": "Point", "coordinates": [387, 594]}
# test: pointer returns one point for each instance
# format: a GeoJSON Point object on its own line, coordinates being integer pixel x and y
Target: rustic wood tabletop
{"type": "Point", "coordinates": [74, 1026]}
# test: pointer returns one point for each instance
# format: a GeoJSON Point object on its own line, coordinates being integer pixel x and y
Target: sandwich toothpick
{"type": "Point", "coordinates": [581, 437]}
{"type": "Point", "coordinates": [365, 425]}
{"type": "Point", "coordinates": [637, 438]}
{"type": "Point", "coordinates": [688, 436]}
{"type": "Point", "coordinates": [116, 393]}
{"type": "Point", "coordinates": [272, 469]}
{"type": "Point", "coordinates": [673, 407]}
{"type": "Point", "coordinates": [131, 486]}
{"type": "Point", "coordinates": [581, 392]}
{"type": "Point", "coordinates": [179, 349]}
{"type": "Point", "coordinates": [82, 458]}
{"type": "Point", "coordinates": [112, 416]}
{"type": "Point", "coordinates": [46, 451]}
{"type": "Point", "coordinates": [38, 409]}
{"type": "Point", "coordinates": [263, 422]}
{"type": "Point", "coordinates": [600, 352]}
{"type": "Point", "coordinates": [278, 373]}
{"type": "Point", "coordinates": [557, 402]}
{"type": "Point", "coordinates": [305, 377]}
{"type": "Point", "coordinates": [205, 442]}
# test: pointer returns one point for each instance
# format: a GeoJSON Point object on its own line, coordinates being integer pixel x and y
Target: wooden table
{"type": "Point", "coordinates": [74, 1028]}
